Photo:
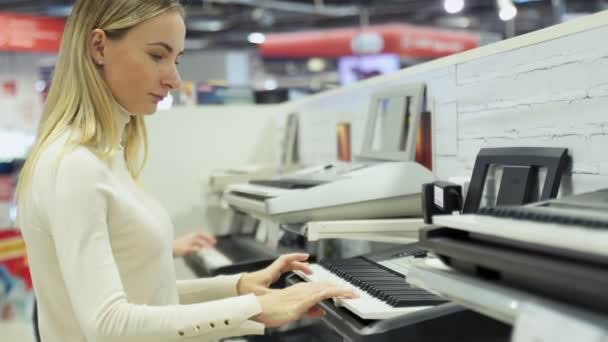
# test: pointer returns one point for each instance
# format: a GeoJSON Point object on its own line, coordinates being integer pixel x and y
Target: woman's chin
{"type": "Point", "coordinates": [149, 110]}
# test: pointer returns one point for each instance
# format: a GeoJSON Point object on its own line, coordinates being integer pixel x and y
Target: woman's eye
{"type": "Point", "coordinates": [156, 57]}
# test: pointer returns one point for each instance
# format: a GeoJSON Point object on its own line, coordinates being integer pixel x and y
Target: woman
{"type": "Point", "coordinates": [99, 247]}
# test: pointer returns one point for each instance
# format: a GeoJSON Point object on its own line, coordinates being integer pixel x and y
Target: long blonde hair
{"type": "Point", "coordinates": [79, 97]}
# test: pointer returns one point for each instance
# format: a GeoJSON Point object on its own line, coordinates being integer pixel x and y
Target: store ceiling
{"type": "Point", "coordinates": [221, 23]}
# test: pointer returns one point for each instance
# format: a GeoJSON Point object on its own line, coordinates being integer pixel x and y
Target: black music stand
{"type": "Point", "coordinates": [521, 166]}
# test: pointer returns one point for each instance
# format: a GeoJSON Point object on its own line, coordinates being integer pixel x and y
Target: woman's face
{"type": "Point", "coordinates": [141, 68]}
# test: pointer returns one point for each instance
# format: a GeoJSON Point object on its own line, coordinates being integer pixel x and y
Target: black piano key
{"type": "Point", "coordinates": [387, 291]}
{"type": "Point", "coordinates": [375, 287]}
{"type": "Point", "coordinates": [363, 269]}
{"type": "Point", "coordinates": [378, 282]}
{"type": "Point", "coordinates": [403, 287]}
{"type": "Point", "coordinates": [367, 275]}
{"type": "Point", "coordinates": [391, 295]}
{"type": "Point", "coordinates": [370, 271]}
{"type": "Point", "coordinates": [417, 302]}
{"type": "Point", "coordinates": [371, 287]}
{"type": "Point", "coordinates": [412, 295]}
{"type": "Point", "coordinates": [394, 293]}
{"type": "Point", "coordinates": [381, 283]}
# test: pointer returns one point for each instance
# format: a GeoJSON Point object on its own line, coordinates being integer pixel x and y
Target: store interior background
{"type": "Point", "coordinates": [240, 83]}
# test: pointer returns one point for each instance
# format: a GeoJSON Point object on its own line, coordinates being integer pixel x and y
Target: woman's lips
{"type": "Point", "coordinates": [157, 98]}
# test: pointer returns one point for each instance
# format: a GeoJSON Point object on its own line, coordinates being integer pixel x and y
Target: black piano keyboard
{"type": "Point", "coordinates": [543, 215]}
{"type": "Point", "coordinates": [380, 282]}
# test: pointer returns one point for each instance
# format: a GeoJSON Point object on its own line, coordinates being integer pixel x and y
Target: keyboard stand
{"type": "Point", "coordinates": [445, 322]}
{"type": "Point", "coordinates": [494, 300]}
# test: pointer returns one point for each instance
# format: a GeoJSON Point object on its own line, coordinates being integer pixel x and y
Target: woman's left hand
{"type": "Point", "coordinates": [191, 243]}
{"type": "Point", "coordinates": [259, 282]}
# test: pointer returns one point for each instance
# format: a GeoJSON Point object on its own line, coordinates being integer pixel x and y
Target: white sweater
{"type": "Point", "coordinates": [99, 250]}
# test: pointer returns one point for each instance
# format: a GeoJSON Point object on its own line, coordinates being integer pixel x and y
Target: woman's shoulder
{"type": "Point", "coordinates": [76, 160]}
{"type": "Point", "coordinates": [59, 164]}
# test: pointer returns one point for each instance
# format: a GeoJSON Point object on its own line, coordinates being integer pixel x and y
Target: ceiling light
{"type": "Point", "coordinates": [59, 11]}
{"type": "Point", "coordinates": [263, 17]}
{"type": "Point", "coordinates": [507, 13]}
{"type": "Point", "coordinates": [195, 44]}
{"type": "Point", "coordinates": [367, 42]}
{"type": "Point", "coordinates": [40, 85]}
{"type": "Point", "coordinates": [256, 38]}
{"type": "Point", "coordinates": [455, 21]}
{"type": "Point", "coordinates": [453, 6]}
{"type": "Point", "coordinates": [316, 64]}
{"type": "Point", "coordinates": [271, 84]}
{"type": "Point", "coordinates": [506, 10]}
{"type": "Point", "coordinates": [207, 25]}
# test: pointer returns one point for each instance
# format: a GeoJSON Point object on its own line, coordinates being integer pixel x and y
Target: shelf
{"type": "Point", "coordinates": [386, 230]}
{"type": "Point", "coordinates": [499, 302]}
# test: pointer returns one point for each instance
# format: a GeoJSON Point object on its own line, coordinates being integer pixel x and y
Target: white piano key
{"type": "Point", "coordinates": [214, 258]}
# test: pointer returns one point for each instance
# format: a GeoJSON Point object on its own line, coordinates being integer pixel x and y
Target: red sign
{"type": "Point", "coordinates": [13, 257]}
{"type": "Point", "coordinates": [6, 188]}
{"type": "Point", "coordinates": [404, 40]}
{"type": "Point", "coordinates": [10, 88]}
{"type": "Point", "coordinates": [30, 33]}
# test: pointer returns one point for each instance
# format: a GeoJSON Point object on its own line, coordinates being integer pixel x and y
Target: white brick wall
{"type": "Point", "coordinates": [546, 89]}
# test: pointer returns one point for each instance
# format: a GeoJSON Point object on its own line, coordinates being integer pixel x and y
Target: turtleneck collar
{"type": "Point", "coordinates": [123, 118]}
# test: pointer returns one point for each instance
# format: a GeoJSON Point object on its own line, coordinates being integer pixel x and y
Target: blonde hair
{"type": "Point", "coordinates": [79, 97]}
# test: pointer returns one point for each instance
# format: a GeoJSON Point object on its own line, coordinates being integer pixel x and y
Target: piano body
{"type": "Point", "coordinates": [373, 191]}
{"type": "Point", "coordinates": [372, 187]}
{"type": "Point", "coordinates": [556, 248]}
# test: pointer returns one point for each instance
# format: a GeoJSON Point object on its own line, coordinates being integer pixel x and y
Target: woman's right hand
{"type": "Point", "coordinates": [283, 306]}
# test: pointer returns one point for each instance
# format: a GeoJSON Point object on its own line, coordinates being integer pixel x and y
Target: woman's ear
{"type": "Point", "coordinates": [98, 43]}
